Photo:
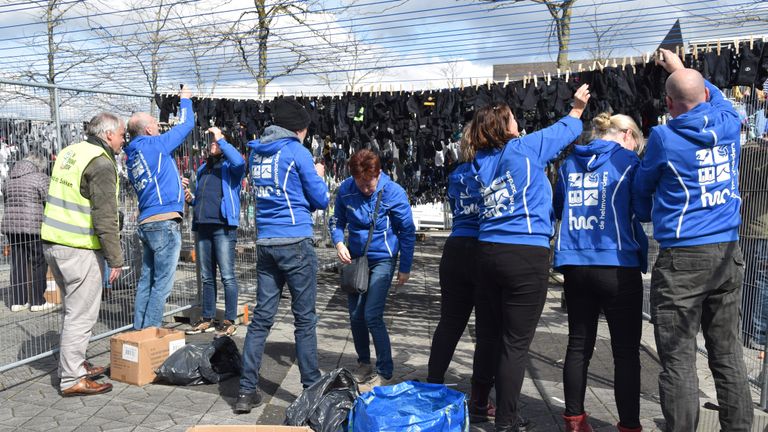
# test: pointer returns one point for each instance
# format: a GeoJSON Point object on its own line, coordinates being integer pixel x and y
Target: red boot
{"type": "Point", "coordinates": [481, 408]}
{"type": "Point", "coordinates": [577, 423]}
{"type": "Point", "coordinates": [626, 429]}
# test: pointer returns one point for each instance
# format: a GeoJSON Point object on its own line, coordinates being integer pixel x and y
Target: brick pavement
{"type": "Point", "coordinates": [30, 402]}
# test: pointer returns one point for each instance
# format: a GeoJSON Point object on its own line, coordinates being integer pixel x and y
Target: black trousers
{"type": "Point", "coordinates": [514, 277]}
{"type": "Point", "coordinates": [618, 292]}
{"type": "Point", "coordinates": [28, 269]}
{"type": "Point", "coordinates": [459, 293]}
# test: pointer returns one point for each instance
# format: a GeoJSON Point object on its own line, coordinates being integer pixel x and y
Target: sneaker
{"type": "Point", "coordinates": [363, 372]}
{"type": "Point", "coordinates": [205, 325]}
{"type": "Point", "coordinates": [44, 307]}
{"type": "Point", "coordinates": [19, 308]}
{"type": "Point", "coordinates": [227, 328]}
{"type": "Point", "coordinates": [379, 381]}
{"type": "Point", "coordinates": [246, 402]}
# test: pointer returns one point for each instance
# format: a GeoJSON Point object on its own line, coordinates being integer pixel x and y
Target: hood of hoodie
{"type": "Point", "coordinates": [595, 154]}
{"type": "Point", "coordinates": [22, 168]}
{"type": "Point", "coordinates": [702, 126]}
{"type": "Point", "coordinates": [272, 140]}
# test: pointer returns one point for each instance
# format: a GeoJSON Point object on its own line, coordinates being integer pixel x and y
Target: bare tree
{"type": "Point", "coordinates": [142, 37]}
{"type": "Point", "coordinates": [604, 32]}
{"type": "Point", "coordinates": [451, 72]}
{"type": "Point", "coordinates": [207, 54]}
{"type": "Point", "coordinates": [257, 26]}
{"type": "Point", "coordinates": [353, 63]}
{"type": "Point", "coordinates": [561, 12]}
{"type": "Point", "coordinates": [62, 57]}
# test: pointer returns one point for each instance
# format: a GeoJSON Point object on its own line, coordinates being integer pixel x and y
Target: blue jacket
{"type": "Point", "coordinates": [465, 199]}
{"type": "Point", "coordinates": [597, 225]}
{"type": "Point", "coordinates": [232, 173]}
{"type": "Point", "coordinates": [152, 170]}
{"type": "Point", "coordinates": [286, 185]}
{"type": "Point", "coordinates": [517, 196]}
{"type": "Point", "coordinates": [688, 181]}
{"type": "Point", "coordinates": [394, 229]}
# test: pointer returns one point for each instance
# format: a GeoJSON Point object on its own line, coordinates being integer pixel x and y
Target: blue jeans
{"type": "Point", "coordinates": [296, 265]}
{"type": "Point", "coordinates": [162, 244]}
{"type": "Point", "coordinates": [216, 246]}
{"type": "Point", "coordinates": [366, 314]}
{"type": "Point", "coordinates": [756, 284]}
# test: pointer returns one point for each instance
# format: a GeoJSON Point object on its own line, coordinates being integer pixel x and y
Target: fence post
{"type": "Point", "coordinates": [57, 120]}
{"type": "Point", "coordinates": [764, 382]}
{"type": "Point", "coordinates": [198, 275]}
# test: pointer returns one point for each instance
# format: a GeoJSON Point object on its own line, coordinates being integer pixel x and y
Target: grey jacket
{"type": "Point", "coordinates": [24, 195]}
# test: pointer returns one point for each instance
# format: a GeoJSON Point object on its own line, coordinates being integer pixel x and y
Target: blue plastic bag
{"type": "Point", "coordinates": [410, 406]}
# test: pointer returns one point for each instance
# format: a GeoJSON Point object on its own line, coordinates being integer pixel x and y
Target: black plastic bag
{"type": "Point", "coordinates": [325, 405]}
{"type": "Point", "coordinates": [202, 363]}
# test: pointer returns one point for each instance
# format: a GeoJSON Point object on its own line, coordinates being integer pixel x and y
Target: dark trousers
{"type": "Point", "coordinates": [459, 293]}
{"type": "Point", "coordinates": [28, 269]}
{"type": "Point", "coordinates": [514, 277]}
{"type": "Point", "coordinates": [618, 292]}
{"type": "Point", "coordinates": [700, 287]}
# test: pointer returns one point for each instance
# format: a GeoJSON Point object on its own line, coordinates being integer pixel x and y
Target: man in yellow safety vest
{"type": "Point", "coordinates": [80, 230]}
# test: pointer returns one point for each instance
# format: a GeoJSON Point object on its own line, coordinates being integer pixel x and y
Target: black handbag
{"type": "Point", "coordinates": [354, 276]}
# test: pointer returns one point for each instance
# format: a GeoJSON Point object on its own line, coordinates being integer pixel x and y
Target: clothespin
{"type": "Point", "coordinates": [709, 49]}
{"type": "Point", "coordinates": [736, 45]}
{"type": "Point", "coordinates": [488, 83]}
{"type": "Point", "coordinates": [567, 74]}
{"type": "Point", "coordinates": [695, 52]}
{"type": "Point", "coordinates": [506, 80]}
{"type": "Point", "coordinates": [549, 78]}
{"type": "Point", "coordinates": [751, 41]}
{"type": "Point", "coordinates": [371, 92]}
{"type": "Point", "coordinates": [558, 73]}
{"type": "Point", "coordinates": [580, 67]}
{"type": "Point", "coordinates": [594, 65]}
{"type": "Point", "coordinates": [525, 81]}
{"type": "Point", "coordinates": [401, 88]}
{"type": "Point", "coordinates": [470, 82]}
{"type": "Point", "coordinates": [461, 84]}
{"type": "Point", "coordinates": [718, 47]}
{"type": "Point", "coordinates": [535, 80]}
{"type": "Point", "coordinates": [614, 63]}
{"type": "Point", "coordinates": [623, 62]}
{"type": "Point", "coordinates": [632, 62]}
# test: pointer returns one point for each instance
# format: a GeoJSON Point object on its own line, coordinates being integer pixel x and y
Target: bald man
{"type": "Point", "coordinates": [687, 184]}
{"type": "Point", "coordinates": [153, 174]}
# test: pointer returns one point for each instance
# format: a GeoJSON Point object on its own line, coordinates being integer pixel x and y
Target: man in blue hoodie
{"type": "Point", "coordinates": [687, 184]}
{"type": "Point", "coordinates": [152, 172]}
{"type": "Point", "coordinates": [288, 186]}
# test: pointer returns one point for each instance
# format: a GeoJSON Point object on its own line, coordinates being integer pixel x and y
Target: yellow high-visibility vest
{"type": "Point", "coordinates": [67, 216]}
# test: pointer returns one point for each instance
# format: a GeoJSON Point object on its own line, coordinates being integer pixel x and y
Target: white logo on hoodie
{"type": "Point", "coordinates": [714, 169]}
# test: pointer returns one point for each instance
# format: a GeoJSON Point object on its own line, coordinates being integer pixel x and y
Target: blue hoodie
{"type": "Point", "coordinates": [152, 170]}
{"type": "Point", "coordinates": [517, 196]}
{"type": "Point", "coordinates": [597, 226]}
{"type": "Point", "coordinates": [688, 181]}
{"type": "Point", "coordinates": [465, 199]}
{"type": "Point", "coordinates": [232, 172]}
{"type": "Point", "coordinates": [394, 229]}
{"type": "Point", "coordinates": [286, 185]}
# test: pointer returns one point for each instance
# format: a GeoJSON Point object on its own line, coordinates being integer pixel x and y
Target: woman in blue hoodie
{"type": "Point", "coordinates": [601, 251]}
{"type": "Point", "coordinates": [515, 228]}
{"type": "Point", "coordinates": [460, 292]}
{"type": "Point", "coordinates": [216, 217]}
{"type": "Point", "coordinates": [393, 233]}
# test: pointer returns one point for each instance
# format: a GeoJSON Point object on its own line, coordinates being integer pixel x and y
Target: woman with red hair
{"type": "Point", "coordinates": [394, 233]}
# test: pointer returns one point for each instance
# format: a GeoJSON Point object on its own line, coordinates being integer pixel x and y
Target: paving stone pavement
{"type": "Point", "coordinates": [30, 401]}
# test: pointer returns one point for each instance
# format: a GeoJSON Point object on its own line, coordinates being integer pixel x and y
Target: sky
{"type": "Point", "coordinates": [408, 44]}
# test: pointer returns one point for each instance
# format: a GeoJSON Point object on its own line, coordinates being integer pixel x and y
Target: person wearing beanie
{"type": "Point", "coordinates": [288, 186]}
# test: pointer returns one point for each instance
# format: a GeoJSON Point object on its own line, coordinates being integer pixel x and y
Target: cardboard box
{"type": "Point", "coordinates": [52, 292]}
{"type": "Point", "coordinates": [135, 355]}
{"type": "Point", "coordinates": [254, 428]}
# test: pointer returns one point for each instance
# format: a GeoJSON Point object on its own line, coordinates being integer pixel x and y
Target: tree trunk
{"type": "Point", "coordinates": [261, 78]}
{"type": "Point", "coordinates": [563, 34]}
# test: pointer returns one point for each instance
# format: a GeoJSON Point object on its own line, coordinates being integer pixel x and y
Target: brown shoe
{"type": "Point", "coordinates": [86, 387]}
{"type": "Point", "coordinates": [93, 371]}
